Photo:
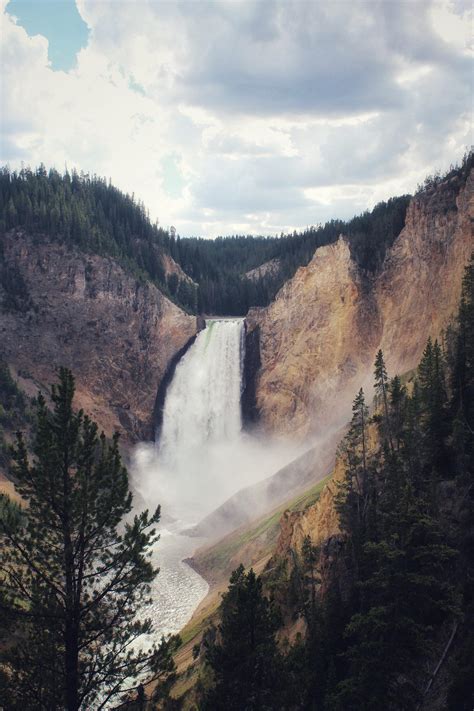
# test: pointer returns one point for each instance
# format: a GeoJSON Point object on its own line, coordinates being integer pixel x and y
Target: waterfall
{"type": "Point", "coordinates": [195, 464]}
{"type": "Point", "coordinates": [202, 404]}
{"type": "Point", "coordinates": [202, 458]}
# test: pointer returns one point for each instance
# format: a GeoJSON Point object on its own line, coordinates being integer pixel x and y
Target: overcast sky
{"type": "Point", "coordinates": [239, 117]}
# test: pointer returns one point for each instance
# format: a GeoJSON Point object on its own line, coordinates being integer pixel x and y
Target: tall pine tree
{"type": "Point", "coordinates": [244, 658]}
{"type": "Point", "coordinates": [76, 569]}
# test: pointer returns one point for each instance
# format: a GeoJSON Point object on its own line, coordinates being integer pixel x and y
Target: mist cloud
{"type": "Point", "coordinates": [205, 477]}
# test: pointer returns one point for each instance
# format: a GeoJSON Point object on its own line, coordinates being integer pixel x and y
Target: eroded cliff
{"type": "Point", "coordinates": [318, 339]}
{"type": "Point", "coordinates": [319, 521]}
{"type": "Point", "coordinates": [315, 339]}
{"type": "Point", "coordinates": [117, 334]}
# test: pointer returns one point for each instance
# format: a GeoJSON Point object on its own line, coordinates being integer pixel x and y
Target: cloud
{"type": "Point", "coordinates": [255, 116]}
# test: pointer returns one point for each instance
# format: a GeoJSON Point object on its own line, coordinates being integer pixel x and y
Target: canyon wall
{"type": "Point", "coordinates": [118, 334]}
{"type": "Point", "coordinates": [319, 337]}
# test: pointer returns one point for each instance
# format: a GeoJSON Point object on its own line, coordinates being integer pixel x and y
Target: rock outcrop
{"type": "Point", "coordinates": [318, 338]}
{"type": "Point", "coordinates": [315, 339]}
{"type": "Point", "coordinates": [419, 288]}
{"type": "Point", "coordinates": [319, 521]}
{"type": "Point", "coordinates": [116, 333]}
{"type": "Point", "coordinates": [172, 267]}
{"type": "Point", "coordinates": [270, 268]}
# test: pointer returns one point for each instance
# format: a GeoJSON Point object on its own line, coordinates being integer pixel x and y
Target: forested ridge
{"type": "Point", "coordinates": [94, 216]}
{"type": "Point", "coordinates": [218, 265]}
{"type": "Point", "coordinates": [88, 213]}
{"type": "Point", "coordinates": [389, 602]}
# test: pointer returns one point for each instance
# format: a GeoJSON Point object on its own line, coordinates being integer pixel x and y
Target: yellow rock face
{"type": "Point", "coordinates": [313, 340]}
{"type": "Point", "coordinates": [319, 337]}
{"type": "Point", "coordinates": [319, 521]}
{"type": "Point", "coordinates": [419, 289]}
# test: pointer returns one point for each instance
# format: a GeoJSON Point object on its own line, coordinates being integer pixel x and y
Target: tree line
{"type": "Point", "coordinates": [220, 266]}
{"type": "Point", "coordinates": [89, 213]}
{"type": "Point", "coordinates": [94, 216]}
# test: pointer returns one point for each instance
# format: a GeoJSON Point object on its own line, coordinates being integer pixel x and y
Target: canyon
{"type": "Point", "coordinates": [306, 355]}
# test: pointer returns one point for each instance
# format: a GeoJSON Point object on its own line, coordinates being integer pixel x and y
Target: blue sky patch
{"type": "Point", "coordinates": [135, 86]}
{"type": "Point", "coordinates": [57, 20]}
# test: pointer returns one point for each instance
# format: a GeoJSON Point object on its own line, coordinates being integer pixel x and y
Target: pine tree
{"type": "Point", "coordinates": [381, 389]}
{"type": "Point", "coordinates": [76, 571]}
{"type": "Point", "coordinates": [352, 498]}
{"type": "Point", "coordinates": [245, 659]}
{"type": "Point", "coordinates": [398, 403]}
{"type": "Point", "coordinates": [435, 424]}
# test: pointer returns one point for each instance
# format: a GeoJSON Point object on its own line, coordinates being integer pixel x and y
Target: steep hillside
{"type": "Point", "coordinates": [61, 306]}
{"type": "Point", "coordinates": [379, 568]}
{"type": "Point", "coordinates": [317, 340]}
{"type": "Point", "coordinates": [253, 545]}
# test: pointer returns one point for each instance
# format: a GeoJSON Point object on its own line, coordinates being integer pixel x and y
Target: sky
{"type": "Point", "coordinates": [230, 117]}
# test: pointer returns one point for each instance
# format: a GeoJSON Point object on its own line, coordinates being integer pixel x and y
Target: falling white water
{"type": "Point", "coordinates": [202, 404]}
{"type": "Point", "coordinates": [202, 458]}
{"type": "Point", "coordinates": [201, 419]}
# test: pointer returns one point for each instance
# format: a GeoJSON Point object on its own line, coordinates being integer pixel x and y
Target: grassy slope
{"type": "Point", "coordinates": [251, 545]}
